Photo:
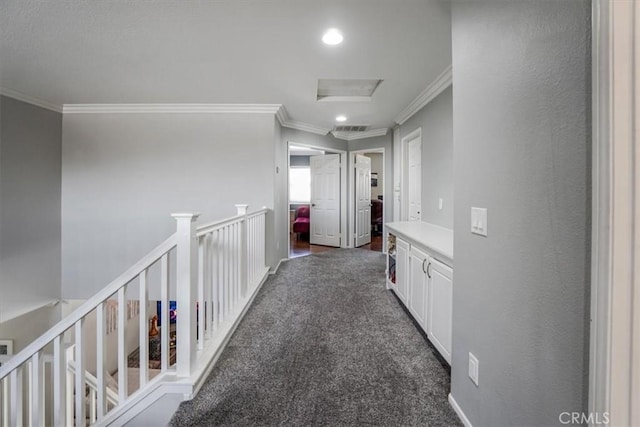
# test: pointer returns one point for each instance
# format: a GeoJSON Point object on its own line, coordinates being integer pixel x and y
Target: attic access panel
{"type": "Point", "coordinates": [345, 90]}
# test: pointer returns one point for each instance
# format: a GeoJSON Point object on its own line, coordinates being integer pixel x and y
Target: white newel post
{"type": "Point", "coordinates": [244, 255]}
{"type": "Point", "coordinates": [187, 293]}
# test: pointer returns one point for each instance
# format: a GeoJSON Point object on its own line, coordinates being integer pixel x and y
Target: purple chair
{"type": "Point", "coordinates": [302, 223]}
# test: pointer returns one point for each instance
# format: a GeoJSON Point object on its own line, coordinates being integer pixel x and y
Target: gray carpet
{"type": "Point", "coordinates": [325, 344]}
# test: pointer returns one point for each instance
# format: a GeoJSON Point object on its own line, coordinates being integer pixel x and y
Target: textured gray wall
{"type": "Point", "coordinates": [30, 153]}
{"type": "Point", "coordinates": [281, 210]}
{"type": "Point", "coordinates": [521, 149]}
{"type": "Point", "coordinates": [436, 121]}
{"type": "Point", "coordinates": [124, 174]}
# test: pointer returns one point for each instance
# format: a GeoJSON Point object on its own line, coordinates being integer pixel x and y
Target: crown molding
{"type": "Point", "coordinates": [443, 81]}
{"type": "Point", "coordinates": [352, 136]}
{"type": "Point", "coordinates": [169, 108]}
{"type": "Point", "coordinates": [285, 121]}
{"type": "Point", "coordinates": [30, 99]}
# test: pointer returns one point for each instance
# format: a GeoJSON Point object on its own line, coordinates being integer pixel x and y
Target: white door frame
{"type": "Point", "coordinates": [404, 172]}
{"type": "Point", "coordinates": [343, 189]}
{"type": "Point", "coordinates": [614, 364]}
{"type": "Point", "coordinates": [352, 196]}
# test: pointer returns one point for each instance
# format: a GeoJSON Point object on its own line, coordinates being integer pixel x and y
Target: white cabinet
{"type": "Point", "coordinates": [422, 282]}
{"type": "Point", "coordinates": [439, 310]}
{"type": "Point", "coordinates": [418, 286]}
{"type": "Point", "coordinates": [402, 269]}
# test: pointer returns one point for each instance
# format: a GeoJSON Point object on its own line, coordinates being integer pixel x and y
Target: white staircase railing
{"type": "Point", "coordinates": [215, 271]}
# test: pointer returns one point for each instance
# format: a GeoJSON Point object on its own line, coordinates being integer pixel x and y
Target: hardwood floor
{"type": "Point", "coordinates": [299, 246]}
{"type": "Point", "coordinates": [375, 245]}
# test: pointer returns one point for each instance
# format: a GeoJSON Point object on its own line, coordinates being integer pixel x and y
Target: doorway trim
{"type": "Point", "coordinates": [343, 190]}
{"type": "Point", "coordinates": [352, 190]}
{"type": "Point", "coordinates": [404, 171]}
{"type": "Point", "coordinates": [614, 354]}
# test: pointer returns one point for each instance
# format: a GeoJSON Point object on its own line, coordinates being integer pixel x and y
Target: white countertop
{"type": "Point", "coordinates": [437, 239]}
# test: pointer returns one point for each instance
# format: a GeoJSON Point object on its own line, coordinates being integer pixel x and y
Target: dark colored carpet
{"type": "Point", "coordinates": [324, 344]}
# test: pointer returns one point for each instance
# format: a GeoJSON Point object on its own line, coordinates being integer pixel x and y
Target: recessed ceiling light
{"type": "Point", "coordinates": [332, 36]}
{"type": "Point", "coordinates": [341, 119]}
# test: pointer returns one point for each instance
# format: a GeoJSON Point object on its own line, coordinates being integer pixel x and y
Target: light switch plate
{"type": "Point", "coordinates": [474, 367]}
{"type": "Point", "coordinates": [440, 203]}
{"type": "Point", "coordinates": [479, 221]}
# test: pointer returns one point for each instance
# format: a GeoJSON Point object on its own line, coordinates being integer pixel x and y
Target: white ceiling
{"type": "Point", "coordinates": [224, 51]}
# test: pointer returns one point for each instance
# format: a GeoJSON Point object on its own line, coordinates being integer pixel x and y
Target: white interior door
{"type": "Point", "coordinates": [363, 200]}
{"type": "Point", "coordinates": [414, 179]}
{"type": "Point", "coordinates": [325, 200]}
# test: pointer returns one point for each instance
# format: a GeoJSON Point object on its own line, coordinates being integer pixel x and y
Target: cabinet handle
{"type": "Point", "coordinates": [423, 261]}
{"type": "Point", "coordinates": [428, 275]}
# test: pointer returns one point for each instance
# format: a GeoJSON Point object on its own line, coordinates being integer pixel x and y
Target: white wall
{"type": "Point", "coordinates": [124, 174]}
{"type": "Point", "coordinates": [521, 103]}
{"type": "Point", "coordinates": [30, 155]}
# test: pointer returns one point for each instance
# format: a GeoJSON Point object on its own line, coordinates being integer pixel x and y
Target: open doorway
{"type": "Point", "coordinates": [316, 190]}
{"type": "Point", "coordinates": [367, 201]}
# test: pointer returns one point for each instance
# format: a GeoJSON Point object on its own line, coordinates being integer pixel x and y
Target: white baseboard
{"type": "Point", "coordinates": [458, 410]}
{"type": "Point", "coordinates": [275, 269]}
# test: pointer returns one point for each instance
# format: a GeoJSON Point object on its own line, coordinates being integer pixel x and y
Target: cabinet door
{"type": "Point", "coordinates": [418, 286]}
{"type": "Point", "coordinates": [440, 307]}
{"type": "Point", "coordinates": [402, 269]}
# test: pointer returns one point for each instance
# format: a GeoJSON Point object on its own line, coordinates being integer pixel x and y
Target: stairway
{"type": "Point", "coordinates": [212, 272]}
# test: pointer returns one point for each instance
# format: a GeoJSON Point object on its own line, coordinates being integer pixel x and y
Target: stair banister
{"type": "Point", "coordinates": [87, 307]}
{"type": "Point", "coordinates": [219, 268]}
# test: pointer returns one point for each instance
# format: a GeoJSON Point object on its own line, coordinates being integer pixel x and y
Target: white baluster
{"type": "Point", "coordinates": [144, 329]}
{"type": "Point", "coordinates": [200, 313]}
{"type": "Point", "coordinates": [225, 272]}
{"type": "Point", "coordinates": [59, 382]}
{"type": "Point", "coordinates": [4, 403]}
{"type": "Point", "coordinates": [101, 352]}
{"type": "Point", "coordinates": [234, 263]}
{"type": "Point", "coordinates": [227, 268]}
{"type": "Point", "coordinates": [217, 279]}
{"type": "Point", "coordinates": [93, 410]}
{"type": "Point", "coordinates": [70, 389]}
{"type": "Point", "coordinates": [207, 290]}
{"type": "Point", "coordinates": [122, 346]}
{"type": "Point", "coordinates": [165, 328]}
{"type": "Point", "coordinates": [36, 389]}
{"type": "Point", "coordinates": [15, 384]}
{"type": "Point", "coordinates": [80, 369]}
{"type": "Point", "coordinates": [187, 279]}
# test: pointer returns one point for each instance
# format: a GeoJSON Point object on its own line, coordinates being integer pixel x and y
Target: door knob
{"type": "Point", "coordinates": [313, 205]}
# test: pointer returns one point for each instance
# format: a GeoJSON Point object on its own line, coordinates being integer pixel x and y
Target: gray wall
{"type": "Point", "coordinates": [378, 169]}
{"type": "Point", "coordinates": [322, 141]}
{"type": "Point", "coordinates": [299, 160]}
{"type": "Point", "coordinates": [281, 211]}
{"type": "Point", "coordinates": [30, 153]}
{"type": "Point", "coordinates": [436, 121]}
{"type": "Point", "coordinates": [521, 147]}
{"type": "Point", "coordinates": [124, 174]}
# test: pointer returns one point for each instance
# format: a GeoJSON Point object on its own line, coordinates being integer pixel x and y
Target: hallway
{"type": "Point", "coordinates": [325, 344]}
